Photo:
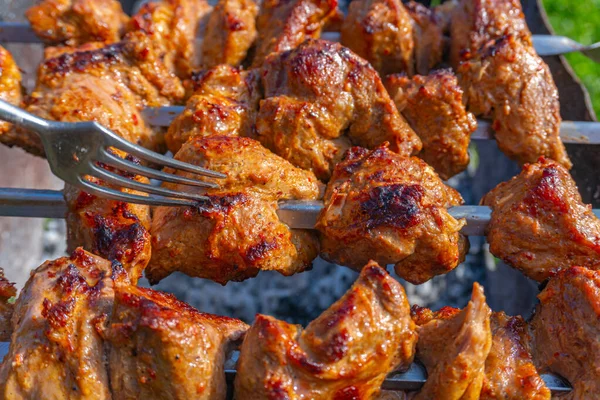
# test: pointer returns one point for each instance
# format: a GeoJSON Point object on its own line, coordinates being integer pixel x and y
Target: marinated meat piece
{"type": "Point", "coordinates": [11, 91]}
{"type": "Point", "coordinates": [477, 22]}
{"type": "Point", "coordinates": [298, 131]}
{"type": "Point", "coordinates": [110, 85]}
{"type": "Point", "coordinates": [55, 351]}
{"type": "Point", "coordinates": [225, 102]}
{"type": "Point", "coordinates": [112, 229]}
{"type": "Point", "coordinates": [237, 232]}
{"type": "Point", "coordinates": [508, 81]}
{"type": "Point", "coordinates": [428, 36]}
{"type": "Point", "coordinates": [317, 93]}
{"type": "Point", "coordinates": [392, 209]}
{"type": "Point", "coordinates": [453, 345]}
{"type": "Point", "coordinates": [75, 22]}
{"type": "Point", "coordinates": [539, 223]}
{"type": "Point", "coordinates": [345, 353]}
{"type": "Point", "coordinates": [284, 24]}
{"type": "Point", "coordinates": [433, 106]}
{"type": "Point", "coordinates": [509, 370]}
{"type": "Point", "coordinates": [163, 348]}
{"type": "Point", "coordinates": [230, 32]}
{"type": "Point", "coordinates": [566, 330]}
{"type": "Point", "coordinates": [174, 26]}
{"type": "Point", "coordinates": [7, 297]}
{"type": "Point", "coordinates": [380, 31]}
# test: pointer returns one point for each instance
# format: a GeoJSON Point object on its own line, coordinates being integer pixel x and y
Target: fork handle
{"type": "Point", "coordinates": [22, 118]}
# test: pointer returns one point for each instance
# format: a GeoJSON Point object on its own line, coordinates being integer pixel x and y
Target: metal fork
{"type": "Point", "coordinates": [547, 45]}
{"type": "Point", "coordinates": [80, 149]}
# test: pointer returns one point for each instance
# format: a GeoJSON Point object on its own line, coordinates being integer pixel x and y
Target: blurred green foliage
{"type": "Point", "coordinates": [580, 20]}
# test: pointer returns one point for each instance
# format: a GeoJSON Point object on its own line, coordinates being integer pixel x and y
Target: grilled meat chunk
{"type": "Point", "coordinates": [55, 351]}
{"type": "Point", "coordinates": [230, 32]}
{"type": "Point", "coordinates": [75, 22]}
{"type": "Point", "coordinates": [509, 82]}
{"type": "Point", "coordinates": [237, 232]}
{"type": "Point", "coordinates": [163, 348]}
{"type": "Point", "coordinates": [225, 102]}
{"type": "Point", "coordinates": [539, 223]}
{"type": "Point", "coordinates": [380, 31]}
{"type": "Point", "coordinates": [345, 353]}
{"type": "Point", "coordinates": [509, 370]}
{"type": "Point", "coordinates": [392, 209]}
{"type": "Point", "coordinates": [110, 85]}
{"type": "Point", "coordinates": [316, 93]}
{"type": "Point", "coordinates": [473, 23]}
{"type": "Point", "coordinates": [433, 107]}
{"type": "Point", "coordinates": [112, 229]}
{"type": "Point", "coordinates": [453, 345]}
{"type": "Point", "coordinates": [566, 330]}
{"type": "Point", "coordinates": [284, 24]}
{"type": "Point", "coordinates": [11, 91]}
{"type": "Point", "coordinates": [428, 37]}
{"type": "Point", "coordinates": [174, 26]}
{"type": "Point", "coordinates": [7, 295]}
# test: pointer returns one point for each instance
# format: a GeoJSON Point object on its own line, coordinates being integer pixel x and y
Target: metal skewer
{"type": "Point", "coordinates": [297, 214]}
{"type": "Point", "coordinates": [412, 379]}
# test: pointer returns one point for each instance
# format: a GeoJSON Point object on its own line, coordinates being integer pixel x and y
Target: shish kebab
{"type": "Point", "coordinates": [545, 45]}
{"type": "Point", "coordinates": [37, 203]}
{"type": "Point", "coordinates": [413, 379]}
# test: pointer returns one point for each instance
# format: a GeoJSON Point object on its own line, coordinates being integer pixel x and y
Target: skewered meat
{"type": "Point", "coordinates": [82, 331]}
{"type": "Point", "coordinates": [173, 27]}
{"type": "Point", "coordinates": [433, 106]}
{"type": "Point", "coordinates": [566, 330]}
{"type": "Point", "coordinates": [230, 32]}
{"type": "Point", "coordinates": [453, 345]}
{"type": "Point", "coordinates": [509, 370]}
{"type": "Point", "coordinates": [315, 94]}
{"type": "Point", "coordinates": [539, 223]}
{"type": "Point", "coordinates": [237, 232]}
{"type": "Point", "coordinates": [392, 209]}
{"type": "Point", "coordinates": [477, 22]}
{"type": "Point", "coordinates": [55, 350]}
{"type": "Point", "coordinates": [428, 36]}
{"type": "Point", "coordinates": [508, 81]}
{"type": "Point", "coordinates": [110, 85]}
{"type": "Point", "coordinates": [284, 24]}
{"type": "Point", "coordinates": [75, 22]}
{"type": "Point", "coordinates": [225, 102]}
{"type": "Point", "coordinates": [7, 295]}
{"type": "Point", "coordinates": [114, 230]}
{"type": "Point", "coordinates": [380, 31]}
{"type": "Point", "coordinates": [345, 353]}
{"type": "Point", "coordinates": [12, 92]}
{"type": "Point", "coordinates": [163, 348]}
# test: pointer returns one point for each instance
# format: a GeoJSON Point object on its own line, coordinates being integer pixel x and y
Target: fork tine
{"type": "Point", "coordinates": [108, 193]}
{"type": "Point", "coordinates": [145, 154]}
{"type": "Point", "coordinates": [113, 178]}
{"type": "Point", "coordinates": [125, 165]}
